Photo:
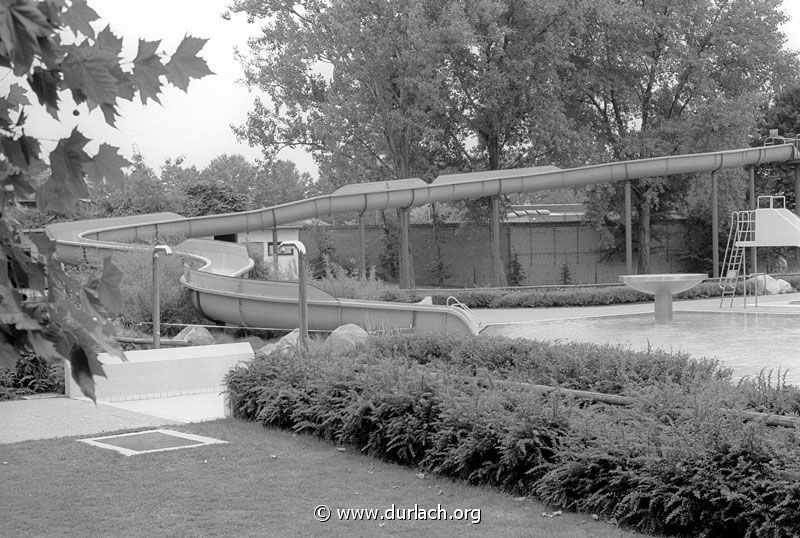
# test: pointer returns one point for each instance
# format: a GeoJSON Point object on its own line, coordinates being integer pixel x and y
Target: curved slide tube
{"type": "Point", "coordinates": [220, 292]}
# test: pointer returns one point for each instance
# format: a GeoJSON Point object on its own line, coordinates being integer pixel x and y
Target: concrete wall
{"type": "Point", "coordinates": [164, 372]}
{"type": "Point", "coordinates": [541, 249]}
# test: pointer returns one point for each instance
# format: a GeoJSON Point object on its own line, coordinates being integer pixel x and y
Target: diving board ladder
{"type": "Point", "coordinates": [741, 235]}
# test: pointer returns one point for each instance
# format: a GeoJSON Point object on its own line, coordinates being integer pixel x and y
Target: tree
{"type": "Point", "coordinates": [176, 178]}
{"type": "Point", "coordinates": [356, 83]}
{"type": "Point", "coordinates": [52, 48]}
{"type": "Point", "coordinates": [278, 184]}
{"type": "Point", "coordinates": [140, 191]}
{"type": "Point", "coordinates": [212, 198]}
{"type": "Point", "coordinates": [783, 113]}
{"type": "Point", "coordinates": [643, 69]}
{"type": "Point", "coordinates": [233, 170]}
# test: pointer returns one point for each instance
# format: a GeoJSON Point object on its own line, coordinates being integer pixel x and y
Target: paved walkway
{"type": "Point", "coordinates": [26, 420]}
{"type": "Point", "coordinates": [46, 418]}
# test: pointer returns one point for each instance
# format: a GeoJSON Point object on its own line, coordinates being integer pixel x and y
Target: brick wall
{"type": "Point", "coordinates": [542, 250]}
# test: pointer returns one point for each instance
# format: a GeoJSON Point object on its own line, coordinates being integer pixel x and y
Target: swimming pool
{"type": "Point", "coordinates": [744, 341]}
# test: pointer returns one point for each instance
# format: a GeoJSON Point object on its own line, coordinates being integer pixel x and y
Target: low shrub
{"type": "Point", "coordinates": [567, 296]}
{"type": "Point", "coordinates": [32, 374]}
{"type": "Point", "coordinates": [605, 368]}
{"type": "Point", "coordinates": [680, 460]}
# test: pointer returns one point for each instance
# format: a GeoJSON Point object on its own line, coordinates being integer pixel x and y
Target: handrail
{"type": "Point", "coordinates": [454, 302]}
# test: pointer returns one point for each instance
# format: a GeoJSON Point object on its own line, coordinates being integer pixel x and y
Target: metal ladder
{"type": "Point", "coordinates": [742, 234]}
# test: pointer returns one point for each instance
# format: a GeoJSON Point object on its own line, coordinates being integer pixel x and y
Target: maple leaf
{"type": "Point", "coordinates": [78, 17]}
{"type": "Point", "coordinates": [44, 84]}
{"type": "Point", "coordinates": [107, 40]}
{"type": "Point", "coordinates": [147, 70]}
{"type": "Point", "coordinates": [21, 27]}
{"type": "Point", "coordinates": [185, 64]}
{"type": "Point", "coordinates": [20, 152]}
{"type": "Point", "coordinates": [107, 164]}
{"type": "Point", "coordinates": [89, 69]}
{"type": "Point", "coordinates": [16, 96]}
{"type": "Point", "coordinates": [66, 163]}
{"type": "Point", "coordinates": [108, 286]}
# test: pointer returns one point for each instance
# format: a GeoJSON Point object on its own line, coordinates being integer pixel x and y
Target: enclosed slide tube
{"type": "Point", "coordinates": [220, 292]}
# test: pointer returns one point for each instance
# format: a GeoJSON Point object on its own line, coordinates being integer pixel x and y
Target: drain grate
{"type": "Point", "coordinates": [149, 441]}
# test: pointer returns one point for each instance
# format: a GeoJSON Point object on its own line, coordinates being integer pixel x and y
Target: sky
{"type": "Point", "coordinates": [197, 125]}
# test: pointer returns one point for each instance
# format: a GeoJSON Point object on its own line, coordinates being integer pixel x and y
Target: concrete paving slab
{"type": "Point", "coordinates": [192, 408]}
{"type": "Point", "coordinates": [26, 420]}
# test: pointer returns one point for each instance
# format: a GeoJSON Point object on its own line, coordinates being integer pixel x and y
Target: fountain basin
{"type": "Point", "coordinates": [663, 287]}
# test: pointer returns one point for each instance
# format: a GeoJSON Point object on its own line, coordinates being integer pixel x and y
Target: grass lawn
{"type": "Point", "coordinates": [263, 483]}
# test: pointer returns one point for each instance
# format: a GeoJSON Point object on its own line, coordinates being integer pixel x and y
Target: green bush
{"type": "Point", "coordinates": [680, 460]}
{"type": "Point", "coordinates": [32, 374]}
{"type": "Point", "coordinates": [567, 296]}
{"type": "Point", "coordinates": [584, 366]}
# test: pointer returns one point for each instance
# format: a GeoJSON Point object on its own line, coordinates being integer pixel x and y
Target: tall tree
{"type": "Point", "coordinates": [642, 67]}
{"type": "Point", "coordinates": [52, 48]}
{"type": "Point", "coordinates": [279, 183]}
{"type": "Point", "coordinates": [353, 82]}
{"type": "Point", "coordinates": [502, 67]}
{"type": "Point", "coordinates": [235, 171]}
{"type": "Point", "coordinates": [140, 190]}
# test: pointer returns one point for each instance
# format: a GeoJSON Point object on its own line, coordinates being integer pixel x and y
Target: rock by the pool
{"type": "Point", "coordinates": [345, 338]}
{"type": "Point", "coordinates": [196, 335]}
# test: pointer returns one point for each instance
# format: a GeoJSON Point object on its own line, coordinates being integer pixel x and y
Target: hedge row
{"type": "Point", "coordinates": [675, 463]}
{"type": "Point", "coordinates": [572, 296]}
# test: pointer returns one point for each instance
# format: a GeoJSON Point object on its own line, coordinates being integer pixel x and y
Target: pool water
{"type": "Point", "coordinates": [745, 342]}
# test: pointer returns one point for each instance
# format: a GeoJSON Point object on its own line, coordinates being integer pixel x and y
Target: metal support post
{"type": "Point", "coordinates": [362, 248]}
{"type": "Point", "coordinates": [166, 251]}
{"type": "Point", "coordinates": [714, 224]}
{"type": "Point", "coordinates": [302, 296]}
{"type": "Point", "coordinates": [628, 230]}
{"type": "Point", "coordinates": [406, 278]}
{"type": "Point", "coordinates": [275, 248]}
{"type": "Point", "coordinates": [498, 275]}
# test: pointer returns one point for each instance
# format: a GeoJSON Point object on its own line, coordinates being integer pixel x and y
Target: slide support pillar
{"type": "Point", "coordinates": [406, 278]}
{"type": "Point", "coordinates": [628, 230]}
{"type": "Point", "coordinates": [498, 276]}
{"type": "Point", "coordinates": [275, 248]}
{"type": "Point", "coordinates": [714, 224]}
{"type": "Point", "coordinates": [362, 248]}
{"type": "Point", "coordinates": [753, 203]}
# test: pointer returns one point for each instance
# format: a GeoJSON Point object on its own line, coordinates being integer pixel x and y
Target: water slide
{"type": "Point", "coordinates": [775, 227]}
{"type": "Point", "coordinates": [221, 293]}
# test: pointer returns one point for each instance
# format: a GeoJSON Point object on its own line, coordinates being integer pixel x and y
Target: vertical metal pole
{"type": "Point", "coordinates": [165, 250]}
{"type": "Point", "coordinates": [714, 225]}
{"type": "Point", "coordinates": [628, 230]}
{"type": "Point", "coordinates": [494, 240]}
{"type": "Point", "coordinates": [156, 303]}
{"type": "Point", "coordinates": [796, 171]}
{"type": "Point", "coordinates": [275, 248]}
{"type": "Point", "coordinates": [362, 248]}
{"type": "Point", "coordinates": [405, 260]}
{"type": "Point", "coordinates": [301, 296]}
{"type": "Point", "coordinates": [752, 177]}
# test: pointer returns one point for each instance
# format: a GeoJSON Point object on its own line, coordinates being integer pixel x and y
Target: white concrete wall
{"type": "Point", "coordinates": [164, 372]}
